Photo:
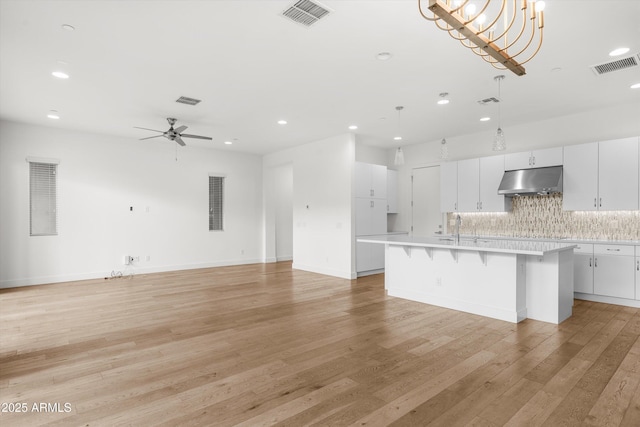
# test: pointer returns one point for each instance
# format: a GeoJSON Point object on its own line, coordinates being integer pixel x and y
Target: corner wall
{"type": "Point", "coordinates": [323, 237]}
{"type": "Point", "coordinates": [99, 179]}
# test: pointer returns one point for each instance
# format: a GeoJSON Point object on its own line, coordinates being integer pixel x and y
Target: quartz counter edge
{"type": "Point", "coordinates": [539, 248]}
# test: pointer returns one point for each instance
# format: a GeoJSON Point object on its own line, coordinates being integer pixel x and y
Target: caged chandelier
{"type": "Point", "coordinates": [500, 31]}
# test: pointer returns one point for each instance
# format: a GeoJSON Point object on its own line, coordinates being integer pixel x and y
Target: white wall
{"type": "Point", "coordinates": [323, 239]}
{"type": "Point", "coordinates": [600, 125]}
{"type": "Point", "coordinates": [99, 179]}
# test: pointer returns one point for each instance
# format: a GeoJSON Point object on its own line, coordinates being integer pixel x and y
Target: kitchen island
{"type": "Point", "coordinates": [504, 279]}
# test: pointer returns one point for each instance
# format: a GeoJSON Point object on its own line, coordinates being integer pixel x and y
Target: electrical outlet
{"type": "Point", "coordinates": [438, 281]}
{"type": "Point", "coordinates": [128, 259]}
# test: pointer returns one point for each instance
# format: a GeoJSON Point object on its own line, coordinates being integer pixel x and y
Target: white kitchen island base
{"type": "Point", "coordinates": [509, 284]}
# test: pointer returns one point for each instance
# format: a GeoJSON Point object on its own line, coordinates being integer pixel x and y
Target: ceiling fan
{"type": "Point", "coordinates": [173, 134]}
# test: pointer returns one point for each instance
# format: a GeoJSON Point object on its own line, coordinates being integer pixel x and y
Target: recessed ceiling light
{"type": "Point", "coordinates": [353, 127]}
{"type": "Point", "coordinates": [443, 99]}
{"type": "Point", "coordinates": [60, 75]}
{"type": "Point", "coordinates": [397, 138]}
{"type": "Point", "coordinates": [619, 51]}
{"type": "Point", "coordinates": [228, 143]}
{"type": "Point", "coordinates": [68, 27]}
{"type": "Point", "coordinates": [485, 119]}
{"type": "Point", "coordinates": [383, 56]}
{"type": "Point", "coordinates": [635, 86]}
{"type": "Point", "coordinates": [282, 122]}
{"type": "Point", "coordinates": [53, 114]}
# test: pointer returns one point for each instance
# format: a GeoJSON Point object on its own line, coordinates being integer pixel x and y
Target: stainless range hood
{"type": "Point", "coordinates": [531, 181]}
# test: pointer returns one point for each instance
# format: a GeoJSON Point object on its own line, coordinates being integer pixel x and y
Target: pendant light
{"type": "Point", "coordinates": [399, 159]}
{"type": "Point", "coordinates": [499, 140]}
{"type": "Point", "coordinates": [444, 149]}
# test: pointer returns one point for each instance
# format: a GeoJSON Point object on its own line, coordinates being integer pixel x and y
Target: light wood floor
{"type": "Point", "coordinates": [264, 344]}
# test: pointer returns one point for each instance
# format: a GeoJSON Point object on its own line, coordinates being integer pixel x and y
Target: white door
{"type": "Point", "coordinates": [426, 218]}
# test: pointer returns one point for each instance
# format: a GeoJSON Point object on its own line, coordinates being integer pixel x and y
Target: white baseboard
{"type": "Point", "coordinates": [326, 271]}
{"type": "Point", "coordinates": [42, 280]}
{"type": "Point", "coordinates": [607, 300]}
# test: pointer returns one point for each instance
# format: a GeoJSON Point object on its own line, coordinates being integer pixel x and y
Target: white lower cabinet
{"type": "Point", "coordinates": [583, 269]}
{"type": "Point", "coordinates": [638, 272]}
{"type": "Point", "coordinates": [614, 271]}
{"type": "Point", "coordinates": [369, 257]}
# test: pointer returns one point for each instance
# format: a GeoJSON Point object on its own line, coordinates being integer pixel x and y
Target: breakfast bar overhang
{"type": "Point", "coordinates": [509, 280]}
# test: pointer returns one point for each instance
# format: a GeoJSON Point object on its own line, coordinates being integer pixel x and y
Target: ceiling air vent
{"type": "Point", "coordinates": [488, 100]}
{"type": "Point", "coordinates": [306, 12]}
{"type": "Point", "coordinates": [187, 100]}
{"type": "Point", "coordinates": [618, 64]}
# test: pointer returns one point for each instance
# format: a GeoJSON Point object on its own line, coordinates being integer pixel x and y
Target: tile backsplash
{"type": "Point", "coordinates": [543, 217]}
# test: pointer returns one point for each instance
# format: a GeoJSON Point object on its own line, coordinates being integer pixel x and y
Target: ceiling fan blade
{"type": "Point", "coordinates": [149, 137]}
{"type": "Point", "coordinates": [186, 135]}
{"type": "Point", "coordinates": [179, 129]}
{"type": "Point", "coordinates": [179, 140]}
{"type": "Point", "coordinates": [161, 131]}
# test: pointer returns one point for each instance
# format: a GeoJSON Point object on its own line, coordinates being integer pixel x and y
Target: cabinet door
{"type": "Point", "coordinates": [363, 256]}
{"type": "Point", "coordinates": [580, 177]}
{"type": "Point", "coordinates": [618, 175]}
{"type": "Point", "coordinates": [583, 273]}
{"type": "Point", "coordinates": [547, 157]}
{"type": "Point", "coordinates": [392, 191]}
{"type": "Point", "coordinates": [449, 187]}
{"type": "Point", "coordinates": [491, 172]}
{"type": "Point", "coordinates": [364, 224]}
{"type": "Point", "coordinates": [378, 209]}
{"type": "Point", "coordinates": [514, 161]}
{"type": "Point", "coordinates": [638, 272]}
{"type": "Point", "coordinates": [468, 186]}
{"type": "Point", "coordinates": [363, 179]}
{"type": "Point", "coordinates": [379, 181]}
{"type": "Point", "coordinates": [614, 276]}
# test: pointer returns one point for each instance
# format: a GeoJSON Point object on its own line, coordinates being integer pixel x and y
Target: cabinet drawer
{"type": "Point", "coordinates": [583, 248]}
{"type": "Point", "coordinates": [614, 250]}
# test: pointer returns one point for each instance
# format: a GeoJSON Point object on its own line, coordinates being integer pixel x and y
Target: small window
{"type": "Point", "coordinates": [43, 200]}
{"type": "Point", "coordinates": [216, 203]}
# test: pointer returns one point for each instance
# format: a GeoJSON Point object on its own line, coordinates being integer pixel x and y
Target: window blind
{"type": "Point", "coordinates": [43, 207]}
{"type": "Point", "coordinates": [216, 202]}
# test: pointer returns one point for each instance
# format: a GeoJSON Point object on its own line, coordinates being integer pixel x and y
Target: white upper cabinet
{"type": "Point", "coordinates": [602, 176]}
{"type": "Point", "coordinates": [618, 175]}
{"type": "Point", "coordinates": [491, 172]}
{"type": "Point", "coordinates": [534, 159]}
{"type": "Point", "coordinates": [580, 177]}
{"type": "Point", "coordinates": [478, 182]}
{"type": "Point", "coordinates": [371, 180]}
{"type": "Point", "coordinates": [392, 191]}
{"type": "Point", "coordinates": [449, 187]}
{"type": "Point", "coordinates": [468, 185]}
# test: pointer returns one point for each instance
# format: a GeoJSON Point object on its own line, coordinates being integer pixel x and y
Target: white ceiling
{"type": "Point", "coordinates": [130, 60]}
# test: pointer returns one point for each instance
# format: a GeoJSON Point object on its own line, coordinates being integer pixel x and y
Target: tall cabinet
{"type": "Point", "coordinates": [371, 215]}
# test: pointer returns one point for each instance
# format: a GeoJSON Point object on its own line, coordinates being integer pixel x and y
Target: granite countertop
{"type": "Point", "coordinates": [548, 239]}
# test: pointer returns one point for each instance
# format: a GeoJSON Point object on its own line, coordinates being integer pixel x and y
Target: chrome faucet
{"type": "Point", "coordinates": [457, 229]}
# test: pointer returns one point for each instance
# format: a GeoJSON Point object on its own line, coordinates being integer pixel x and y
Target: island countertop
{"type": "Point", "coordinates": [523, 247]}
